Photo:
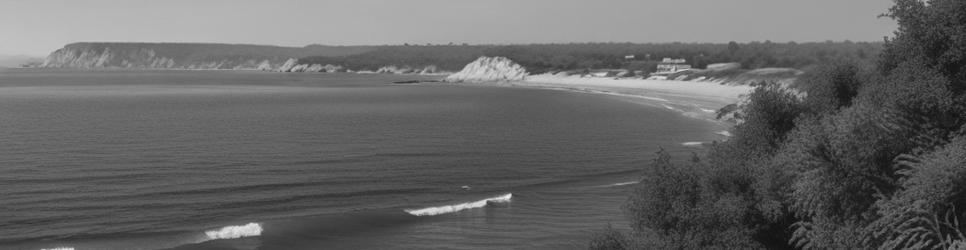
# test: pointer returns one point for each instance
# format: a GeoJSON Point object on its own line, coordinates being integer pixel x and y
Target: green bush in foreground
{"type": "Point", "coordinates": [611, 239]}
{"type": "Point", "coordinates": [852, 158]}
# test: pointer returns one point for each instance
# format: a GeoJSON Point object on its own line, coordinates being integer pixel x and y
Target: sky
{"type": "Point", "coordinates": [37, 27]}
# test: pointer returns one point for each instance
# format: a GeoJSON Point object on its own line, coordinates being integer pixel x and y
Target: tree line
{"type": "Point", "coordinates": [541, 58]}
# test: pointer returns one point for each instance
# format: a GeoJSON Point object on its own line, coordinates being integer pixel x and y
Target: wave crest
{"type": "Point", "coordinates": [623, 184]}
{"type": "Point", "coordinates": [430, 211]}
{"type": "Point", "coordinates": [234, 232]}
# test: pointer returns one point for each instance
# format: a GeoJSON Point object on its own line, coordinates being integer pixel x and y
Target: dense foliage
{"type": "Point", "coordinates": [539, 58]}
{"type": "Point", "coordinates": [444, 57]}
{"type": "Point", "coordinates": [856, 156]}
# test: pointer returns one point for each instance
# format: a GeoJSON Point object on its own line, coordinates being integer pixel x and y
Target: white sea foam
{"type": "Point", "coordinates": [650, 98]}
{"type": "Point", "coordinates": [58, 248]}
{"type": "Point", "coordinates": [234, 232]}
{"type": "Point", "coordinates": [723, 133]}
{"type": "Point", "coordinates": [621, 184]}
{"type": "Point", "coordinates": [713, 90]}
{"type": "Point", "coordinates": [430, 211]}
{"type": "Point", "coordinates": [692, 144]}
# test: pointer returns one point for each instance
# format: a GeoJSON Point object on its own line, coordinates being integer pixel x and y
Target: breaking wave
{"type": "Point", "coordinates": [723, 133]}
{"type": "Point", "coordinates": [623, 183]}
{"type": "Point", "coordinates": [58, 248]}
{"type": "Point", "coordinates": [430, 211]}
{"type": "Point", "coordinates": [619, 184]}
{"type": "Point", "coordinates": [692, 144]}
{"type": "Point", "coordinates": [234, 232]}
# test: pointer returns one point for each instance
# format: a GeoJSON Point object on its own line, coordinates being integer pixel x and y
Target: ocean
{"type": "Point", "coordinates": [260, 160]}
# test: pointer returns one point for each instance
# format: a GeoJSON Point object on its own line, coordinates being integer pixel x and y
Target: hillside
{"type": "Point", "coordinates": [185, 55]}
{"type": "Point", "coordinates": [543, 58]}
{"type": "Point", "coordinates": [536, 58]}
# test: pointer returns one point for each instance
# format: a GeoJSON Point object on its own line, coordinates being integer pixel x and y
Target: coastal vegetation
{"type": "Point", "coordinates": [858, 154]}
{"type": "Point", "coordinates": [184, 55]}
{"type": "Point", "coordinates": [199, 51]}
{"type": "Point", "coordinates": [541, 58]}
{"type": "Point", "coordinates": [536, 58]}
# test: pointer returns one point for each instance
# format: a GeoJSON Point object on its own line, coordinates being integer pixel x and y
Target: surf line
{"type": "Point", "coordinates": [430, 211]}
{"type": "Point", "coordinates": [234, 232]}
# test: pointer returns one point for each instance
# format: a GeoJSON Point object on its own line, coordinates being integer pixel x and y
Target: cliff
{"type": "Point", "coordinates": [186, 55]}
{"type": "Point", "coordinates": [296, 65]}
{"type": "Point", "coordinates": [489, 69]}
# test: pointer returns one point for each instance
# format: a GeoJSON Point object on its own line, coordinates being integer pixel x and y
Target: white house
{"type": "Point", "coordinates": [669, 65]}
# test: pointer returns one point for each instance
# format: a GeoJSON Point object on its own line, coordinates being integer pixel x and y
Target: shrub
{"type": "Point", "coordinates": [831, 87]}
{"type": "Point", "coordinates": [861, 159]}
{"type": "Point", "coordinates": [610, 239]}
{"type": "Point", "coordinates": [930, 32]}
{"type": "Point", "coordinates": [666, 197]}
{"type": "Point", "coordinates": [671, 201]}
{"type": "Point", "coordinates": [927, 213]}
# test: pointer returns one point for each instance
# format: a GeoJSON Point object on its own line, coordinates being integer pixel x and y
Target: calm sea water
{"type": "Point", "coordinates": [257, 160]}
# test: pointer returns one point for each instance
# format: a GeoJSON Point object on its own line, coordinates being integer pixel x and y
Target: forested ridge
{"type": "Point", "coordinates": [540, 58]}
{"type": "Point", "coordinates": [186, 52]}
{"type": "Point", "coordinates": [537, 58]}
{"type": "Point", "coordinates": [862, 155]}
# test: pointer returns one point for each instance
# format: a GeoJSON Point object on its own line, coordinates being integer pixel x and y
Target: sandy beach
{"type": "Point", "coordinates": [694, 99]}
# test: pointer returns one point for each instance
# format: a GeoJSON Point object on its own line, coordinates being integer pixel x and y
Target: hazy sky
{"type": "Point", "coordinates": [37, 27]}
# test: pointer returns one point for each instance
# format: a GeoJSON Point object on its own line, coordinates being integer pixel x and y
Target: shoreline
{"type": "Point", "coordinates": [699, 100]}
{"type": "Point", "coordinates": [696, 99]}
{"type": "Point", "coordinates": [714, 94]}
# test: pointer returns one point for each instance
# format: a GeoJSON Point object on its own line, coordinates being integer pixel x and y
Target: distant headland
{"type": "Point", "coordinates": [603, 59]}
{"type": "Point", "coordinates": [185, 55]}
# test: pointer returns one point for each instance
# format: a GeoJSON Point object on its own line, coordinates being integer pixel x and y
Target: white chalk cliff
{"type": "Point", "coordinates": [490, 69]}
{"type": "Point", "coordinates": [292, 65]}
{"type": "Point", "coordinates": [288, 65]}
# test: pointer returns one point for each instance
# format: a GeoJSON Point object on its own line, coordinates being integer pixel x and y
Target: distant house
{"type": "Point", "coordinates": [669, 65]}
